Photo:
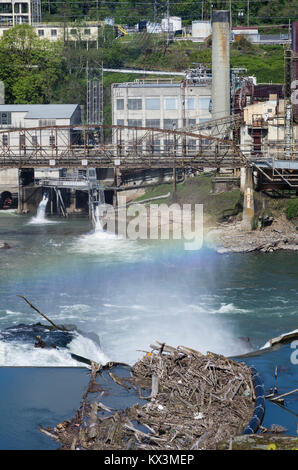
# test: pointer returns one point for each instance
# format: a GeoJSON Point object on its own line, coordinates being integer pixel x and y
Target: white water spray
{"type": "Point", "coordinates": [41, 210]}
{"type": "Point", "coordinates": [40, 217]}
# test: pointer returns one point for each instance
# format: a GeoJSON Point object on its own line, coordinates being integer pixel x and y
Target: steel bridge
{"type": "Point", "coordinates": [83, 146]}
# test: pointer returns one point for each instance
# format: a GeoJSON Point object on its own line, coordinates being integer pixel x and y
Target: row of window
{"type": "Point", "coordinates": [18, 8]}
{"type": "Point", "coordinates": [73, 32]}
{"type": "Point", "coordinates": [31, 142]}
{"type": "Point", "coordinates": [168, 145]}
{"type": "Point", "coordinates": [169, 103]}
{"type": "Point", "coordinates": [156, 123]}
{"type": "Point", "coordinates": [5, 119]}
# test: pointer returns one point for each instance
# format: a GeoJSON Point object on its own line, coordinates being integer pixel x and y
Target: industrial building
{"type": "Point", "coordinates": [55, 31]}
{"type": "Point", "coordinates": [162, 104]}
{"type": "Point", "coordinates": [13, 12]}
{"type": "Point", "coordinates": [22, 116]}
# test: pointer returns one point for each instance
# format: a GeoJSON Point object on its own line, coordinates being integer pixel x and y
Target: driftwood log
{"type": "Point", "coordinates": [196, 401]}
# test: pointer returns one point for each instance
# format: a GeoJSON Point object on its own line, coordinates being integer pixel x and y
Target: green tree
{"type": "Point", "coordinates": [30, 67]}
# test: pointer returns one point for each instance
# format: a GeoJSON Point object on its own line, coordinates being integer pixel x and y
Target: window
{"type": "Point", "coordinates": [204, 120]}
{"type": "Point", "coordinates": [191, 144]}
{"type": "Point", "coordinates": [135, 104]}
{"type": "Point", "coordinates": [134, 122]}
{"type": "Point", "coordinates": [120, 104]}
{"type": "Point", "coordinates": [168, 145]}
{"type": "Point", "coordinates": [34, 141]}
{"type": "Point", "coordinates": [53, 32]}
{"type": "Point", "coordinates": [152, 103]}
{"type": "Point", "coordinates": [189, 122]}
{"type": "Point", "coordinates": [170, 123]}
{"type": "Point", "coordinates": [154, 146]}
{"type": "Point", "coordinates": [204, 103]}
{"type": "Point", "coordinates": [47, 122]}
{"type": "Point", "coordinates": [120, 122]}
{"type": "Point", "coordinates": [170, 103]}
{"type": "Point", "coordinates": [153, 123]}
{"type": "Point", "coordinates": [87, 32]}
{"type": "Point", "coordinates": [189, 103]}
{"type": "Point", "coordinates": [22, 140]}
{"type": "Point", "coordinates": [5, 139]}
{"type": "Point", "coordinates": [73, 32]}
{"type": "Point", "coordinates": [52, 140]}
{"type": "Point", "coordinates": [5, 118]}
{"type": "Point", "coordinates": [40, 32]}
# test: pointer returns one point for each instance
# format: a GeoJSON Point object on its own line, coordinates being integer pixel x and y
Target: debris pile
{"type": "Point", "coordinates": [193, 401]}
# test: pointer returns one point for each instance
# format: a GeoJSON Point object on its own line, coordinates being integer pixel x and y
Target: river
{"type": "Point", "coordinates": [129, 293]}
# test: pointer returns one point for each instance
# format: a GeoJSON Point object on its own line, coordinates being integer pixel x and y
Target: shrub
{"type": "Point", "coordinates": [292, 209]}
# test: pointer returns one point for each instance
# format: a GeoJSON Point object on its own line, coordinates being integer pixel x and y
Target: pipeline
{"type": "Point", "coordinates": [259, 411]}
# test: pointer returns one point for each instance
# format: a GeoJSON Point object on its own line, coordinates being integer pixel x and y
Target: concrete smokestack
{"type": "Point", "coordinates": [220, 63]}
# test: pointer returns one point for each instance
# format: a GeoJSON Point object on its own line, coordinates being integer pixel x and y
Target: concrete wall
{"type": "Point", "coordinates": [9, 178]}
{"type": "Point", "coordinates": [193, 96]}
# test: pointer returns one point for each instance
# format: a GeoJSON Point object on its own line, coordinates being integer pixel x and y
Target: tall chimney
{"type": "Point", "coordinates": [220, 63]}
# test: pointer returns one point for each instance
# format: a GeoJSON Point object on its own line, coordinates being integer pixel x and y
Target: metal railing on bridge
{"type": "Point", "coordinates": [131, 147]}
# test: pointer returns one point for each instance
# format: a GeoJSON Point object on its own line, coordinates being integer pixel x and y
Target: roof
{"type": "Point", "coordinates": [245, 28]}
{"type": "Point", "coordinates": [42, 111]}
{"type": "Point", "coordinates": [263, 90]}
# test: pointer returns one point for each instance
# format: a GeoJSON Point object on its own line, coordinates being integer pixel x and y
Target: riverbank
{"type": "Point", "coordinates": [231, 238]}
{"type": "Point", "coordinates": [222, 220]}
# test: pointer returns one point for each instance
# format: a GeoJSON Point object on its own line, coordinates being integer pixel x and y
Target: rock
{"type": "Point", "coordinates": [4, 245]}
{"type": "Point", "coordinates": [259, 442]}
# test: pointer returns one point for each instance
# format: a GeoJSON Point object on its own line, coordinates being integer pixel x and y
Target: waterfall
{"type": "Point", "coordinates": [40, 217]}
{"type": "Point", "coordinates": [98, 208]}
{"type": "Point", "coordinates": [41, 210]}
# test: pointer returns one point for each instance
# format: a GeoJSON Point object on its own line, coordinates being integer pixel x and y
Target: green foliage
{"type": "Point", "coordinates": [292, 209]}
{"type": "Point", "coordinates": [131, 11]}
{"type": "Point", "coordinates": [30, 67]}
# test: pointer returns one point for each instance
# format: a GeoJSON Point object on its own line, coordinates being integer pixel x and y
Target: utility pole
{"type": "Point", "coordinates": [168, 22]}
{"type": "Point", "coordinates": [231, 19]}
{"type": "Point", "coordinates": [202, 17]}
{"type": "Point", "coordinates": [102, 104]}
{"type": "Point", "coordinates": [247, 12]}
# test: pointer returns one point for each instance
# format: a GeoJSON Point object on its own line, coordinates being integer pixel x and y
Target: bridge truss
{"type": "Point", "coordinates": [128, 148]}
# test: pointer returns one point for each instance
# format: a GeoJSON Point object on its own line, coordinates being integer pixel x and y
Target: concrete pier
{"type": "Point", "coordinates": [248, 202]}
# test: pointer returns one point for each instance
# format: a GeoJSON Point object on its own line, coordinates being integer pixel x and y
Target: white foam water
{"type": "Point", "coordinates": [15, 353]}
{"type": "Point", "coordinates": [101, 242]}
{"type": "Point", "coordinates": [40, 217]}
{"type": "Point", "coordinates": [8, 212]}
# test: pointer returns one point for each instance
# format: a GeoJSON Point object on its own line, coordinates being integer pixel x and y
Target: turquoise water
{"type": "Point", "coordinates": [117, 296]}
{"type": "Point", "coordinates": [130, 293]}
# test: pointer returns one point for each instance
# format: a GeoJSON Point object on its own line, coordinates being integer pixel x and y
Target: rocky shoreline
{"type": "Point", "coordinates": [231, 238]}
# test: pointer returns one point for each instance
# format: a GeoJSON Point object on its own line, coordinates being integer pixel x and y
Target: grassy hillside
{"type": "Point", "coordinates": [199, 190]}
{"type": "Point", "coordinates": [264, 61]}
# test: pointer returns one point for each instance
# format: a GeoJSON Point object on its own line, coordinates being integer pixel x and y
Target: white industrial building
{"type": "Point", "coordinates": [161, 104]}
{"type": "Point", "coordinates": [22, 116]}
{"type": "Point", "coordinates": [13, 12]}
{"type": "Point", "coordinates": [264, 129]}
{"type": "Point", "coordinates": [54, 32]}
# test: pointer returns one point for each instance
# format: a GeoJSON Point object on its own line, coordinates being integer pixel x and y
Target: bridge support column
{"type": "Point", "coordinates": [20, 194]}
{"type": "Point", "coordinates": [72, 201]}
{"type": "Point", "coordinates": [248, 202]}
{"type": "Point", "coordinates": [242, 179]}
